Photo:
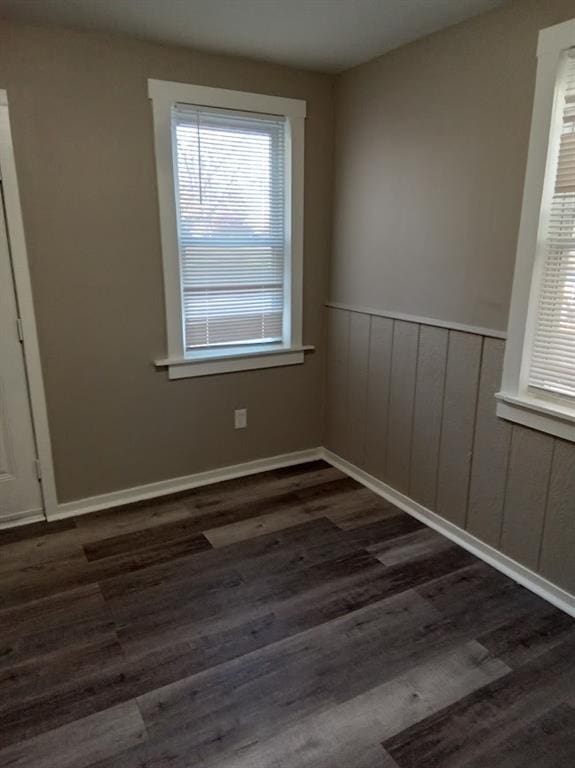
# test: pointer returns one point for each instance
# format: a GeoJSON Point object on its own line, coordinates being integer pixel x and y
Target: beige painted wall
{"type": "Point", "coordinates": [84, 151]}
{"type": "Point", "coordinates": [431, 146]}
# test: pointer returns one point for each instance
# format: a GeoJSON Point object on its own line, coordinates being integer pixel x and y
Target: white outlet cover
{"type": "Point", "coordinates": [240, 418]}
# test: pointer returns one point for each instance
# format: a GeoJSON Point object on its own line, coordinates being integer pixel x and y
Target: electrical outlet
{"type": "Point", "coordinates": [240, 418]}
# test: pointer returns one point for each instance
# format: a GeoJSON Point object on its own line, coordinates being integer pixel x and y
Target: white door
{"type": "Point", "coordinates": [20, 492]}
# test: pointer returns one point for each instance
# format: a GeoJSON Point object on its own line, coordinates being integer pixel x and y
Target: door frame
{"type": "Point", "coordinates": [25, 303]}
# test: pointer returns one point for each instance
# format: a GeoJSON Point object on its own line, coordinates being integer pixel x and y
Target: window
{"type": "Point", "coordinates": [230, 190]}
{"type": "Point", "coordinates": [230, 184]}
{"type": "Point", "coordinates": [538, 388]}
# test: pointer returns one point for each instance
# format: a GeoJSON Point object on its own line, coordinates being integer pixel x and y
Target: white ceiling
{"type": "Point", "coordinates": [327, 35]}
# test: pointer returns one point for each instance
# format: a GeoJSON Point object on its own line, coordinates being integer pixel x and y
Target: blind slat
{"type": "Point", "coordinates": [230, 192]}
{"type": "Point", "coordinates": [552, 366]}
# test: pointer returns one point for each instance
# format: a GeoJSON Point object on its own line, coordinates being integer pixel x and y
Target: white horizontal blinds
{"type": "Point", "coordinates": [230, 189]}
{"type": "Point", "coordinates": [553, 355]}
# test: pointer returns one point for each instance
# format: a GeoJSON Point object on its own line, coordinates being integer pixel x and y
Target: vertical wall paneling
{"type": "Point", "coordinates": [490, 451]}
{"type": "Point", "coordinates": [558, 550]}
{"type": "Point", "coordinates": [461, 385]}
{"type": "Point", "coordinates": [413, 405]}
{"type": "Point", "coordinates": [429, 390]}
{"type": "Point", "coordinates": [337, 380]}
{"type": "Point", "coordinates": [526, 495]}
{"type": "Point", "coordinates": [357, 385]}
{"type": "Point", "coordinates": [402, 394]}
{"type": "Point", "coordinates": [378, 386]}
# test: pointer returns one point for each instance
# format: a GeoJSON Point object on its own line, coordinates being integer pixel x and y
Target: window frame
{"type": "Point", "coordinates": [516, 401]}
{"type": "Point", "coordinates": [182, 363]}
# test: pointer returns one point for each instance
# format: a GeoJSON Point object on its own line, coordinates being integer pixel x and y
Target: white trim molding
{"type": "Point", "coordinates": [517, 401]}
{"type": "Point", "coordinates": [170, 92]}
{"type": "Point", "coordinates": [185, 483]}
{"type": "Point", "coordinates": [164, 96]}
{"type": "Point", "coordinates": [448, 324]}
{"type": "Point", "coordinates": [558, 597]}
{"type": "Point", "coordinates": [537, 413]}
{"type": "Point", "coordinates": [242, 360]}
{"type": "Point", "coordinates": [19, 257]}
{"type": "Point", "coordinates": [22, 518]}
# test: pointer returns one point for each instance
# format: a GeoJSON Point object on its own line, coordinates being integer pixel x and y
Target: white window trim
{"type": "Point", "coordinates": [515, 402]}
{"type": "Point", "coordinates": [182, 364]}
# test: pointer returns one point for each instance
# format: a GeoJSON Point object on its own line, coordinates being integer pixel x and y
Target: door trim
{"type": "Point", "coordinates": [24, 299]}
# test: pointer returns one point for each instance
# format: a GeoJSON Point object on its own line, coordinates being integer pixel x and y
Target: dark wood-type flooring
{"type": "Point", "coordinates": [287, 619]}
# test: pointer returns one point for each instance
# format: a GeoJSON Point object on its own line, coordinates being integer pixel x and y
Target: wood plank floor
{"type": "Point", "coordinates": [288, 619]}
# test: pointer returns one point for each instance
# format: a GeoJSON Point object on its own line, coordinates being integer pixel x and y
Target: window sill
{"type": "Point", "coordinates": [206, 363]}
{"type": "Point", "coordinates": [537, 414]}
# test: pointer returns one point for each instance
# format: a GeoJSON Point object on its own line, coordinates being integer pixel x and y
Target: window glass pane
{"type": "Point", "coordinates": [230, 192]}
{"type": "Point", "coordinates": [552, 366]}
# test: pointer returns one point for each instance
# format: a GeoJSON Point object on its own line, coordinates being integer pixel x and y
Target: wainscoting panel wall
{"type": "Point", "coordinates": [457, 425]}
{"type": "Point", "coordinates": [427, 415]}
{"type": "Point", "coordinates": [401, 398]}
{"type": "Point", "coordinates": [413, 405]}
{"type": "Point", "coordinates": [528, 476]}
{"type": "Point", "coordinates": [378, 383]}
{"type": "Point", "coordinates": [490, 451]}
{"type": "Point", "coordinates": [358, 361]}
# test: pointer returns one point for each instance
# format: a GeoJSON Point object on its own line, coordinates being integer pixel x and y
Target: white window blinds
{"type": "Point", "coordinates": [230, 176]}
{"type": "Point", "coordinates": [553, 355]}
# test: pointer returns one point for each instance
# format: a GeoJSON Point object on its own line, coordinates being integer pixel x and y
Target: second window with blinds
{"type": "Point", "coordinates": [538, 388]}
{"type": "Point", "coordinates": [230, 184]}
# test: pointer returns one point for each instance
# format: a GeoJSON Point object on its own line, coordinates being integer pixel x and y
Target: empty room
{"type": "Point", "coordinates": [287, 384]}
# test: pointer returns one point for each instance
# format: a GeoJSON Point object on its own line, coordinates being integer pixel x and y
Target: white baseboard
{"type": "Point", "coordinates": [186, 483]}
{"type": "Point", "coordinates": [22, 518]}
{"type": "Point", "coordinates": [558, 597]}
